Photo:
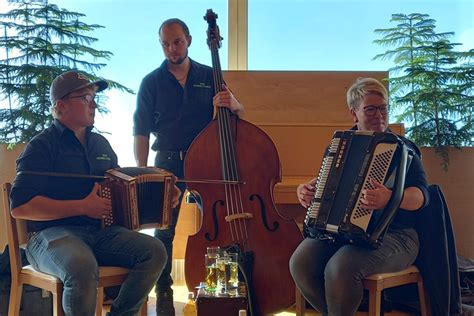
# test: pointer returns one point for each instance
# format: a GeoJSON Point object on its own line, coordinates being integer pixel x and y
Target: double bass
{"type": "Point", "coordinates": [240, 213]}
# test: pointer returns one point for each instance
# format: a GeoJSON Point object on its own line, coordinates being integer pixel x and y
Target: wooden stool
{"type": "Point", "coordinates": [376, 283]}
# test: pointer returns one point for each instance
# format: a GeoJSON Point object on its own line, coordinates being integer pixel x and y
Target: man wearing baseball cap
{"type": "Point", "coordinates": [64, 213]}
{"type": "Point", "coordinates": [71, 81]}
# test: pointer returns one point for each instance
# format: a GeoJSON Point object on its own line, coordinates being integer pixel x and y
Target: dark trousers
{"type": "Point", "coordinates": [329, 275]}
{"type": "Point", "coordinates": [173, 163]}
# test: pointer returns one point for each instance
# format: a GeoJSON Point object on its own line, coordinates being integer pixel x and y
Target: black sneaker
{"type": "Point", "coordinates": [164, 303]}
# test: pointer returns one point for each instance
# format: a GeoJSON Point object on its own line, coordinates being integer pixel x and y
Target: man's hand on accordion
{"type": "Point", "coordinates": [95, 206]}
{"type": "Point", "coordinates": [305, 192]}
{"type": "Point", "coordinates": [376, 198]}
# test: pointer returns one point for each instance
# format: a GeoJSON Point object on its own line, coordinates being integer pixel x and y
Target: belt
{"type": "Point", "coordinates": [179, 154]}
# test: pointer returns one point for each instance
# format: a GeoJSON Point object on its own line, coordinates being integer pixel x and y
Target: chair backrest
{"type": "Point", "coordinates": [13, 227]}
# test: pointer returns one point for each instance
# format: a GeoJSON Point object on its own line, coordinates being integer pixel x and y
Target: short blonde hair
{"type": "Point", "coordinates": [363, 87]}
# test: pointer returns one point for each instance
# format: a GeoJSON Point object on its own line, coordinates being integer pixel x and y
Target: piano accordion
{"type": "Point", "coordinates": [141, 197]}
{"type": "Point", "coordinates": [350, 161]}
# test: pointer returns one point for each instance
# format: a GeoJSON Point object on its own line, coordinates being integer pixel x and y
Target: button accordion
{"type": "Point", "coordinates": [141, 197]}
{"type": "Point", "coordinates": [350, 161]}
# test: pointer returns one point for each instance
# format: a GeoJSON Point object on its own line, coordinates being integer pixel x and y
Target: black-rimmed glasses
{"type": "Point", "coordinates": [85, 97]}
{"type": "Point", "coordinates": [371, 110]}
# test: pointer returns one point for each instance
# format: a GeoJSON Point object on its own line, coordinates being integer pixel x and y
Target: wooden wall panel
{"type": "Point", "coordinates": [7, 174]}
{"type": "Point", "coordinates": [295, 96]}
{"type": "Point", "coordinates": [458, 187]}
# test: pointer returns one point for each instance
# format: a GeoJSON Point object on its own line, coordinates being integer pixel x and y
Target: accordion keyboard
{"type": "Point", "coordinates": [313, 209]}
{"type": "Point", "coordinates": [106, 192]}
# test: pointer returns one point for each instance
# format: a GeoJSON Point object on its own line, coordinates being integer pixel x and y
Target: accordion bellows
{"type": "Point", "coordinates": [141, 197]}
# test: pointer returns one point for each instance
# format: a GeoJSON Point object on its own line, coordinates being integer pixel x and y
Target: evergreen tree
{"type": "Point", "coordinates": [41, 41]}
{"type": "Point", "coordinates": [431, 84]}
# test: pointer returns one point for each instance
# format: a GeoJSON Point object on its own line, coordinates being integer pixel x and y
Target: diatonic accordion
{"type": "Point", "coordinates": [141, 197]}
{"type": "Point", "coordinates": [350, 161]}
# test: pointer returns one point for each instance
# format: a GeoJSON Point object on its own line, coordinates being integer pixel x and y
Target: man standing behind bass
{"type": "Point", "coordinates": [174, 103]}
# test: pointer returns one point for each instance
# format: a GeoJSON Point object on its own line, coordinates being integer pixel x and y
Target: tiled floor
{"type": "Point", "coordinates": [181, 294]}
{"type": "Point", "coordinates": [181, 297]}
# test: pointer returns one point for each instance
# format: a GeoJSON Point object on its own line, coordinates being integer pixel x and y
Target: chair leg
{"type": "Point", "coordinates": [375, 299]}
{"type": "Point", "coordinates": [16, 291]}
{"type": "Point", "coordinates": [58, 304]}
{"type": "Point", "coordinates": [425, 307]}
{"type": "Point", "coordinates": [99, 302]}
{"type": "Point", "coordinates": [300, 303]}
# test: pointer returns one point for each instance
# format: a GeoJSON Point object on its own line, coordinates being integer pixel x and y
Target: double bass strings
{"type": "Point", "coordinates": [234, 204]}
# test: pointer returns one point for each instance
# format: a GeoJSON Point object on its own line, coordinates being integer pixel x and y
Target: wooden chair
{"type": "Point", "coordinates": [16, 231]}
{"type": "Point", "coordinates": [376, 283]}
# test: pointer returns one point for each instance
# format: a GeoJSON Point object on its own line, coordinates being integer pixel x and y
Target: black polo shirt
{"type": "Point", "coordinates": [175, 115]}
{"type": "Point", "coordinates": [57, 149]}
{"type": "Point", "coordinates": [415, 177]}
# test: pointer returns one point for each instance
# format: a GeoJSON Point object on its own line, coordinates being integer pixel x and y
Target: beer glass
{"type": "Point", "coordinates": [211, 274]}
{"type": "Point", "coordinates": [222, 275]}
{"type": "Point", "coordinates": [232, 274]}
{"type": "Point", "coordinates": [213, 251]}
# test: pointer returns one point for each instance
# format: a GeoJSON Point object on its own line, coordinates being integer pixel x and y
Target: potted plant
{"type": "Point", "coordinates": [41, 41]}
{"type": "Point", "coordinates": [431, 84]}
{"type": "Point", "coordinates": [432, 92]}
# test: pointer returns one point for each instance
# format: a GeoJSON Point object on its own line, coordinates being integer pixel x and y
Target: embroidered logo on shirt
{"type": "Point", "coordinates": [103, 157]}
{"type": "Point", "coordinates": [202, 85]}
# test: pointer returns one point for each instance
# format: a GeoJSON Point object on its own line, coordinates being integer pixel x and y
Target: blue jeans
{"type": "Point", "coordinates": [73, 254]}
{"type": "Point", "coordinates": [175, 165]}
{"type": "Point", "coordinates": [329, 275]}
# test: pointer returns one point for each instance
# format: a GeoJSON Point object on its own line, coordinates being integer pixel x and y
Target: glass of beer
{"type": "Point", "coordinates": [211, 274]}
{"type": "Point", "coordinates": [214, 251]}
{"type": "Point", "coordinates": [232, 274]}
{"type": "Point", "coordinates": [222, 275]}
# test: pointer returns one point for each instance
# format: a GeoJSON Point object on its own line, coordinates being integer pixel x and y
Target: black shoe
{"type": "Point", "coordinates": [164, 303]}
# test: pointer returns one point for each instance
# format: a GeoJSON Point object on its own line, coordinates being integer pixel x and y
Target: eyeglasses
{"type": "Point", "coordinates": [177, 43]}
{"type": "Point", "coordinates": [87, 98]}
{"type": "Point", "coordinates": [371, 110]}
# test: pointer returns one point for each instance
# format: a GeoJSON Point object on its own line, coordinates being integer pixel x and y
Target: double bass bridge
{"type": "Point", "coordinates": [233, 217]}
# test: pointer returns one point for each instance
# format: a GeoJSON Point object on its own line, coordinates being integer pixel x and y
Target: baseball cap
{"type": "Point", "coordinates": [71, 81]}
